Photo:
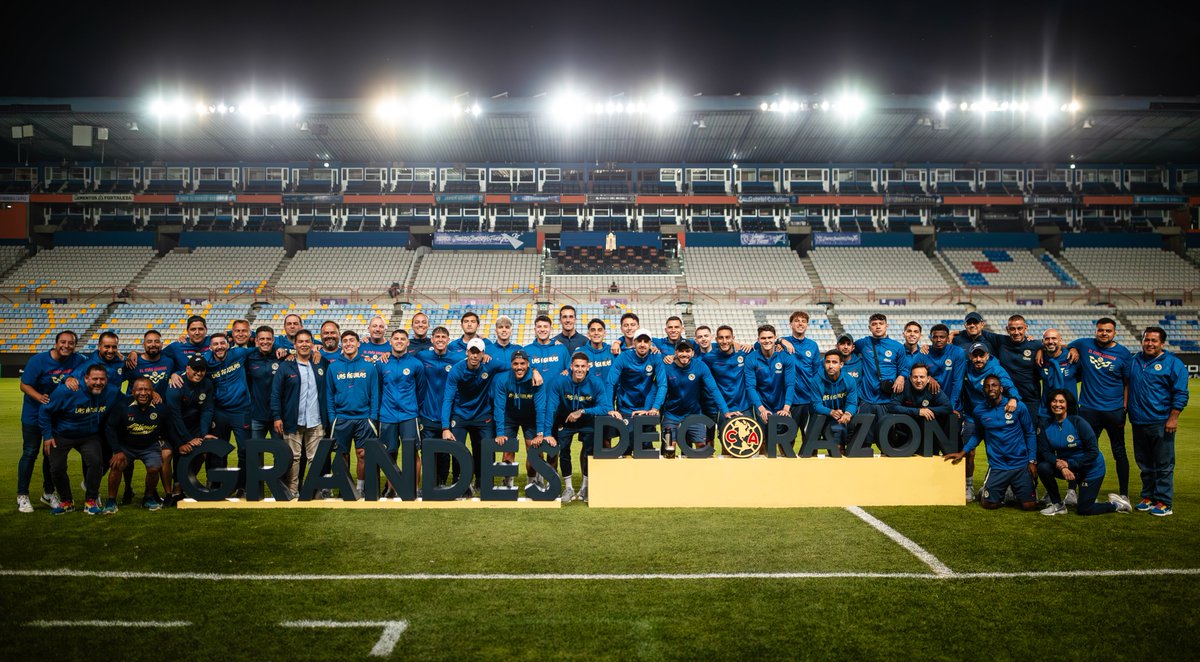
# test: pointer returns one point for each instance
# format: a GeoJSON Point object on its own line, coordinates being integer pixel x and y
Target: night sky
{"type": "Point", "coordinates": [358, 49]}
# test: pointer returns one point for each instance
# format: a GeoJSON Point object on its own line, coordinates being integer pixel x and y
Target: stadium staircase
{"type": "Point", "coordinates": [1128, 324]}
{"type": "Point", "coordinates": [93, 330]}
{"type": "Point", "coordinates": [834, 322]}
{"type": "Point", "coordinates": [273, 279]}
{"type": "Point", "coordinates": [812, 272]}
{"type": "Point", "coordinates": [1073, 272]}
{"type": "Point", "coordinates": [410, 278]}
{"type": "Point", "coordinates": [940, 265]}
{"type": "Point", "coordinates": [4, 274]}
{"type": "Point", "coordinates": [141, 275]}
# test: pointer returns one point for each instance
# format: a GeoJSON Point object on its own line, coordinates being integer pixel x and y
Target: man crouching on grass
{"type": "Point", "coordinates": [1011, 448]}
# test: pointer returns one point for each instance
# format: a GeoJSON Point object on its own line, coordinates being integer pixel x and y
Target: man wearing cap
{"type": "Point", "coordinates": [1158, 392]}
{"type": "Point", "coordinates": [546, 355]}
{"type": "Point", "coordinates": [681, 388]}
{"type": "Point", "coordinates": [436, 363]}
{"type": "Point", "coordinates": [572, 404]}
{"type": "Point", "coordinates": [190, 408]}
{"type": "Point", "coordinates": [851, 361]}
{"type": "Point", "coordinates": [947, 364]}
{"type": "Point", "coordinates": [1011, 446]}
{"type": "Point", "coordinates": [300, 405]}
{"type": "Point", "coordinates": [981, 365]}
{"type": "Point", "coordinates": [1103, 377]}
{"type": "Point", "coordinates": [353, 385]}
{"type": "Point", "coordinates": [518, 406]}
{"type": "Point", "coordinates": [402, 379]}
{"type": "Point", "coordinates": [772, 376]}
{"type": "Point", "coordinates": [973, 332]}
{"type": "Point", "coordinates": [467, 406]}
{"type": "Point", "coordinates": [569, 337]}
{"type": "Point", "coordinates": [634, 378]}
{"type": "Point", "coordinates": [884, 369]}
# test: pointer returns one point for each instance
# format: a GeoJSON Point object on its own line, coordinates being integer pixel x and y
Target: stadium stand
{"type": "Point", "coordinates": [1133, 268]}
{"type": "Point", "coordinates": [479, 271]}
{"type": "Point", "coordinates": [1182, 326]}
{"type": "Point", "coordinates": [627, 260]}
{"type": "Point", "coordinates": [31, 327]}
{"type": "Point", "coordinates": [131, 320]}
{"type": "Point", "coordinates": [999, 268]}
{"type": "Point", "coordinates": [752, 268]}
{"type": "Point", "coordinates": [337, 269]}
{"type": "Point", "coordinates": [875, 268]}
{"type": "Point", "coordinates": [854, 319]}
{"type": "Point", "coordinates": [10, 256]}
{"type": "Point", "coordinates": [79, 267]}
{"type": "Point", "coordinates": [230, 270]}
{"type": "Point", "coordinates": [820, 328]}
{"type": "Point", "coordinates": [1072, 322]}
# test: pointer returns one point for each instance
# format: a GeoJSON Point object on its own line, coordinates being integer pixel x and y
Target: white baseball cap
{"type": "Point", "coordinates": [476, 343]}
{"type": "Point", "coordinates": [642, 332]}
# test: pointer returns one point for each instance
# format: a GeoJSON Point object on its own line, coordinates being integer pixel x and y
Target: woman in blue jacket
{"type": "Point", "coordinates": [1067, 449]}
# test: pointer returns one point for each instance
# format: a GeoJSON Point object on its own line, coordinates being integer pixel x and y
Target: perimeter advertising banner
{"type": "Point", "coordinates": [1160, 199]}
{"type": "Point", "coordinates": [102, 197]}
{"type": "Point", "coordinates": [1052, 199]}
{"type": "Point", "coordinates": [766, 199]}
{"type": "Point", "coordinates": [837, 239]}
{"type": "Point", "coordinates": [205, 197]}
{"type": "Point", "coordinates": [911, 200]}
{"type": "Point", "coordinates": [311, 199]}
{"type": "Point", "coordinates": [511, 241]}
{"type": "Point", "coordinates": [764, 239]}
{"type": "Point", "coordinates": [524, 198]}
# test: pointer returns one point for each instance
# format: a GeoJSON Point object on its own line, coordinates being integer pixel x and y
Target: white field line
{"type": "Point", "coordinates": [109, 624]}
{"type": "Point", "coordinates": [218, 577]}
{"type": "Point", "coordinates": [387, 640]}
{"type": "Point", "coordinates": [940, 569]}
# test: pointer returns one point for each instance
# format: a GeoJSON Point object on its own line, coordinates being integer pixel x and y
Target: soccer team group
{"type": "Point", "coordinates": [1038, 405]}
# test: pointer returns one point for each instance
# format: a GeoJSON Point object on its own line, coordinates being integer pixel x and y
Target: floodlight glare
{"type": "Point", "coordinates": [1074, 106]}
{"type": "Point", "coordinates": [943, 106]}
{"type": "Point", "coordinates": [851, 106]}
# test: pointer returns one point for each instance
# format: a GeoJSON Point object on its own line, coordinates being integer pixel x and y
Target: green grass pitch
{"type": "Point", "coordinates": [823, 583]}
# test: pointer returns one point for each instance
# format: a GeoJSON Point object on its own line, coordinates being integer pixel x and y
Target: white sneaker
{"type": "Point", "coordinates": [23, 504]}
{"type": "Point", "coordinates": [583, 494]}
{"type": "Point", "coordinates": [970, 495]}
{"type": "Point", "coordinates": [568, 493]}
{"type": "Point", "coordinates": [509, 482]}
{"type": "Point", "coordinates": [51, 499]}
{"type": "Point", "coordinates": [1071, 499]}
{"type": "Point", "coordinates": [1055, 509]}
{"type": "Point", "coordinates": [1122, 503]}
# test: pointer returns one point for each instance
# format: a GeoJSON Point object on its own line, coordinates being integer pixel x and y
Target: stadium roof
{"type": "Point", "coordinates": [698, 130]}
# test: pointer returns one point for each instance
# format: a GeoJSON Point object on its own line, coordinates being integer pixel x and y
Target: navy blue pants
{"type": "Point", "coordinates": [1112, 422]}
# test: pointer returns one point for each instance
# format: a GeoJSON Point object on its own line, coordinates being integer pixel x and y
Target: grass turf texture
{"type": "Point", "coordinates": [1001, 618]}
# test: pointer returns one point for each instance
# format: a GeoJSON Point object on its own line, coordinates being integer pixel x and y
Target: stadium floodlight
{"type": "Point", "coordinates": [943, 106]}
{"type": "Point", "coordinates": [476, 110]}
{"type": "Point", "coordinates": [850, 106]}
{"type": "Point", "coordinates": [1044, 106]}
{"type": "Point", "coordinates": [1073, 106]}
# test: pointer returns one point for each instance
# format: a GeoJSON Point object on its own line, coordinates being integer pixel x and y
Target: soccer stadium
{"type": "Point", "coordinates": [792, 263]}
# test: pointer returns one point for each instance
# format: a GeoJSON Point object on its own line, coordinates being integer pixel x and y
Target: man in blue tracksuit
{"type": "Point", "coordinates": [634, 378]}
{"type": "Point", "coordinates": [546, 356]}
{"type": "Point", "coordinates": [674, 330]}
{"type": "Point", "coordinates": [1057, 371]}
{"type": "Point", "coordinates": [108, 355]}
{"type": "Point", "coordinates": [353, 384]}
{"type": "Point", "coordinates": [1158, 392]}
{"type": "Point", "coordinates": [376, 345]}
{"type": "Point", "coordinates": [75, 419]}
{"type": "Point", "coordinates": [402, 378]}
{"type": "Point", "coordinates": [884, 369]}
{"type": "Point", "coordinates": [599, 355]}
{"type": "Point", "coordinates": [1017, 354]}
{"type": "Point", "coordinates": [835, 394]}
{"type": "Point", "coordinates": [809, 366]}
{"type": "Point", "coordinates": [973, 332]}
{"type": "Point", "coordinates": [572, 404]}
{"type": "Point", "coordinates": [197, 342]}
{"type": "Point", "coordinates": [685, 382]}
{"type": "Point", "coordinates": [1103, 374]}
{"type": "Point", "coordinates": [569, 337]}
{"type": "Point", "coordinates": [728, 368]}
{"type": "Point", "coordinates": [331, 341]}
{"type": "Point", "coordinates": [467, 406]}
{"type": "Point", "coordinates": [981, 365]}
{"type": "Point", "coordinates": [41, 376]}
{"type": "Point", "coordinates": [300, 405]}
{"type": "Point", "coordinates": [1067, 449]}
{"type": "Point", "coordinates": [469, 323]}
{"type": "Point", "coordinates": [501, 351]}
{"type": "Point", "coordinates": [518, 407]}
{"type": "Point", "coordinates": [231, 411]}
{"type": "Point", "coordinates": [1011, 448]}
{"type": "Point", "coordinates": [437, 361]}
{"type": "Point", "coordinates": [136, 429]}
{"type": "Point", "coordinates": [189, 406]}
{"type": "Point", "coordinates": [920, 402]}
{"type": "Point", "coordinates": [851, 360]}
{"type": "Point", "coordinates": [419, 339]}
{"type": "Point", "coordinates": [947, 364]}
{"type": "Point", "coordinates": [773, 376]}
{"type": "Point", "coordinates": [261, 365]}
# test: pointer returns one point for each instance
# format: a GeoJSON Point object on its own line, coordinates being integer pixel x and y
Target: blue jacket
{"type": "Point", "coordinates": [179, 352]}
{"type": "Point", "coordinates": [330, 356]}
{"type": "Point", "coordinates": [948, 366]}
{"type": "Point", "coordinates": [988, 339]}
{"type": "Point", "coordinates": [565, 396]}
{"type": "Point", "coordinates": [1011, 439]}
{"type": "Point", "coordinates": [115, 368]}
{"type": "Point", "coordinates": [285, 394]}
{"type": "Point", "coordinates": [403, 381]}
{"type": "Point", "coordinates": [667, 347]}
{"type": "Point", "coordinates": [549, 359]}
{"type": "Point", "coordinates": [1019, 360]}
{"type": "Point", "coordinates": [809, 367]}
{"type": "Point", "coordinates": [840, 394]}
{"type": "Point", "coordinates": [459, 346]}
{"type": "Point", "coordinates": [1156, 386]}
{"type": "Point", "coordinates": [634, 381]}
{"type": "Point", "coordinates": [599, 360]}
{"type": "Point", "coordinates": [44, 373]}
{"type": "Point", "coordinates": [437, 368]}
{"type": "Point", "coordinates": [911, 401]}
{"type": "Point", "coordinates": [232, 391]}
{"type": "Point", "coordinates": [353, 386]}
{"type": "Point", "coordinates": [132, 427]}
{"type": "Point", "coordinates": [681, 389]}
{"type": "Point", "coordinates": [574, 343]}
{"type": "Point", "coordinates": [1102, 374]}
{"type": "Point", "coordinates": [774, 379]}
{"type": "Point", "coordinates": [468, 394]}
{"type": "Point", "coordinates": [1072, 440]}
{"type": "Point", "coordinates": [76, 413]}
{"type": "Point", "coordinates": [502, 357]}
{"type": "Point", "coordinates": [416, 344]}
{"type": "Point", "coordinates": [883, 359]}
{"type": "Point", "coordinates": [191, 409]}
{"type": "Point", "coordinates": [1057, 372]}
{"type": "Point", "coordinates": [260, 370]}
{"type": "Point", "coordinates": [519, 402]}
{"type": "Point", "coordinates": [973, 384]}
{"type": "Point", "coordinates": [733, 380]}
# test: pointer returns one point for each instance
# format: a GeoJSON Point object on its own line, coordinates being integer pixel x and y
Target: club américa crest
{"type": "Point", "coordinates": [742, 437]}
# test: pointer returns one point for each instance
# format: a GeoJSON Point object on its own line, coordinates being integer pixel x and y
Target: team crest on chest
{"type": "Point", "coordinates": [691, 378]}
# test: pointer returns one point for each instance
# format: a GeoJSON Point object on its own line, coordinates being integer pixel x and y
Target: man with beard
{"type": "Point", "coordinates": [1011, 447]}
{"type": "Point", "coordinates": [518, 407]}
{"type": "Point", "coordinates": [189, 404]}
{"type": "Point", "coordinates": [467, 406]}
{"type": "Point", "coordinates": [135, 431]}
{"type": "Point", "coordinates": [331, 341]}
{"type": "Point", "coordinates": [43, 373]}
{"type": "Point", "coordinates": [74, 420]}
{"type": "Point", "coordinates": [571, 407]}
{"type": "Point", "coordinates": [261, 364]}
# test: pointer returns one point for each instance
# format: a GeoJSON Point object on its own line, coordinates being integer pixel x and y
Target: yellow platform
{"type": "Point", "coordinates": [762, 482]}
{"type": "Point", "coordinates": [382, 504]}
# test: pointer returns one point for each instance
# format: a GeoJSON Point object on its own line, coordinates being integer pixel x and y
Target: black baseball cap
{"type": "Point", "coordinates": [979, 348]}
{"type": "Point", "coordinates": [519, 354]}
{"type": "Point", "coordinates": [845, 337]}
{"type": "Point", "coordinates": [973, 317]}
{"type": "Point", "coordinates": [197, 362]}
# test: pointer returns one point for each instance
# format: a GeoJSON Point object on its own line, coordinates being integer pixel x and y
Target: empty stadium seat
{"type": "Point", "coordinates": [229, 270]}
{"type": "Point", "coordinates": [876, 268]}
{"type": "Point", "coordinates": [749, 268]}
{"type": "Point", "coordinates": [999, 268]}
{"type": "Point", "coordinates": [79, 267]}
{"type": "Point", "coordinates": [503, 271]}
{"type": "Point", "coordinates": [1133, 268]}
{"type": "Point", "coordinates": [363, 268]}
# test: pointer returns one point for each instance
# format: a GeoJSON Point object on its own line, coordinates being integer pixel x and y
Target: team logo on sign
{"type": "Point", "coordinates": [742, 437]}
